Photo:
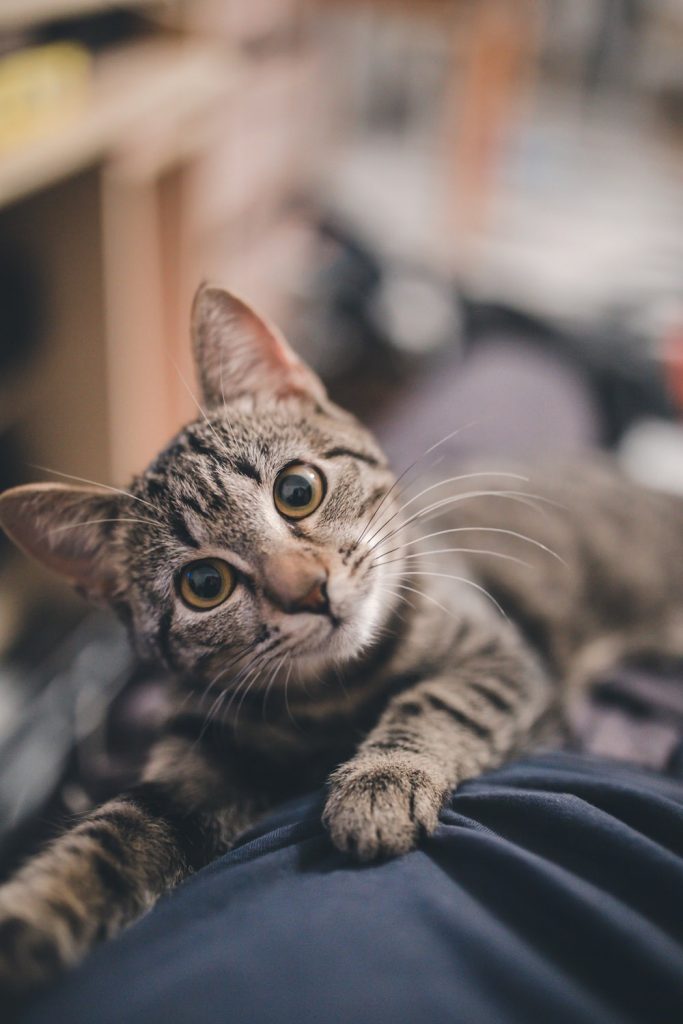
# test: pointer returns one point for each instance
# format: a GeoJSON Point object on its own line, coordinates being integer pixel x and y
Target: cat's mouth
{"type": "Point", "coordinates": [311, 635]}
{"type": "Point", "coordinates": [339, 634]}
{"type": "Point", "coordinates": [315, 607]}
{"type": "Point", "coordinates": [335, 628]}
{"type": "Point", "coordinates": [333, 618]}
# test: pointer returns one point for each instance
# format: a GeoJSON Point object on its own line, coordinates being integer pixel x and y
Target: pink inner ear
{"type": "Point", "coordinates": [52, 523]}
{"type": "Point", "coordinates": [238, 351]}
{"type": "Point", "coordinates": [272, 343]}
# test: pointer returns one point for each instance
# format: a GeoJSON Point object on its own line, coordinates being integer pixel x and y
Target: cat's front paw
{"type": "Point", "coordinates": [380, 807]}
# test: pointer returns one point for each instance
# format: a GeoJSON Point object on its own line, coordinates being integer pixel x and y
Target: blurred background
{"type": "Point", "coordinates": [461, 213]}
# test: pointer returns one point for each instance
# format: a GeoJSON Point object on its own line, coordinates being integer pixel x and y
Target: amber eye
{"type": "Point", "coordinates": [206, 584]}
{"type": "Point", "coordinates": [298, 491]}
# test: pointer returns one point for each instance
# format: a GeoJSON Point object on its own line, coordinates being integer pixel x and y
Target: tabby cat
{"type": "Point", "coordinates": [318, 628]}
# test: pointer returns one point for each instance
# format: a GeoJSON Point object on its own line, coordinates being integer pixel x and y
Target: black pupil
{"type": "Point", "coordinates": [296, 491]}
{"type": "Point", "coordinates": [205, 581]}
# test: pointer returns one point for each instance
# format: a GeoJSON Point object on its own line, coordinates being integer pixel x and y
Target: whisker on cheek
{"type": "Point", "coordinates": [451, 576]}
{"type": "Point", "coordinates": [445, 551]}
{"type": "Point", "coordinates": [432, 511]}
{"type": "Point", "coordinates": [475, 529]}
{"type": "Point", "coordinates": [224, 669]}
{"type": "Point", "coordinates": [425, 453]}
{"type": "Point", "coordinates": [442, 483]}
{"type": "Point", "coordinates": [270, 685]}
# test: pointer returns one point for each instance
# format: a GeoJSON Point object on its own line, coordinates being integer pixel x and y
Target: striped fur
{"type": "Point", "coordinates": [410, 682]}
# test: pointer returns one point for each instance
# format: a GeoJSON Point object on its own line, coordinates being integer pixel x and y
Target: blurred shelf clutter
{"type": "Point", "coordinates": [41, 88]}
{"type": "Point", "coordinates": [17, 14]}
{"type": "Point", "coordinates": [105, 106]}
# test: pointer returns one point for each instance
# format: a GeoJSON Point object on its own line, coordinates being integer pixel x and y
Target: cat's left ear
{"type": "Point", "coordinates": [66, 528]}
{"type": "Point", "coordinates": [237, 351]}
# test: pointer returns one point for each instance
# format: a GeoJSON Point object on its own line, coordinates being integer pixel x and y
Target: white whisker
{"type": "Point", "coordinates": [428, 597]}
{"type": "Point", "coordinates": [248, 674]}
{"type": "Point", "coordinates": [245, 673]}
{"type": "Point", "coordinates": [270, 683]}
{"type": "Point", "coordinates": [255, 679]}
{"type": "Point", "coordinates": [237, 682]}
{"type": "Point", "coordinates": [94, 483]}
{"type": "Point", "coordinates": [448, 551]}
{"type": "Point", "coordinates": [224, 670]}
{"type": "Point", "coordinates": [287, 707]}
{"type": "Point", "coordinates": [400, 597]}
{"type": "Point", "coordinates": [442, 483]}
{"type": "Point", "coordinates": [96, 522]}
{"type": "Point", "coordinates": [225, 404]}
{"type": "Point", "coordinates": [340, 679]}
{"type": "Point", "coordinates": [208, 422]}
{"type": "Point", "coordinates": [424, 454]}
{"type": "Point", "coordinates": [449, 576]}
{"type": "Point", "coordinates": [518, 496]}
{"type": "Point", "coordinates": [474, 529]}
{"type": "Point", "coordinates": [212, 711]}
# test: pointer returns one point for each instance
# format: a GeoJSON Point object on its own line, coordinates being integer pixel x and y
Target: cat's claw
{"type": "Point", "coordinates": [379, 808]}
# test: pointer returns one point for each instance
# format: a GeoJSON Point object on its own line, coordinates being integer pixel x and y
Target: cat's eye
{"type": "Point", "coordinates": [299, 490]}
{"type": "Point", "coordinates": [206, 583]}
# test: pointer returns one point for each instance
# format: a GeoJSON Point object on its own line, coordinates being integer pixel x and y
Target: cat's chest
{"type": "Point", "coordinates": [325, 729]}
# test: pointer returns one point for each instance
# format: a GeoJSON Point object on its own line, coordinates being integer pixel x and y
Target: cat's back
{"type": "Point", "coordinates": [570, 548]}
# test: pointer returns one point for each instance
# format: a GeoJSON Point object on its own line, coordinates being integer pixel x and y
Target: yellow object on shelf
{"type": "Point", "coordinates": [41, 88]}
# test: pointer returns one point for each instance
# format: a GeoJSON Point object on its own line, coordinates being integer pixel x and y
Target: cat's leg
{"type": "Point", "coordinates": [446, 728]}
{"type": "Point", "coordinates": [110, 868]}
{"type": "Point", "coordinates": [655, 644]}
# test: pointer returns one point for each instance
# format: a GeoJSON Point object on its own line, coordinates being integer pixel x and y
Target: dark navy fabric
{"type": "Point", "coordinates": [552, 891]}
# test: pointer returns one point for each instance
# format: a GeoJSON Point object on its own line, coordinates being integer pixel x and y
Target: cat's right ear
{"type": "Point", "coordinates": [65, 528]}
{"type": "Point", "coordinates": [237, 351]}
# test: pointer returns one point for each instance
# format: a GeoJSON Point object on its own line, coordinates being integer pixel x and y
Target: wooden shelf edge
{"type": "Point", "coordinates": [134, 88]}
{"type": "Point", "coordinates": [17, 14]}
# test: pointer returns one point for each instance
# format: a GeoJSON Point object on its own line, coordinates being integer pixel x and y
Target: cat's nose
{"type": "Point", "coordinates": [316, 599]}
{"type": "Point", "coordinates": [296, 584]}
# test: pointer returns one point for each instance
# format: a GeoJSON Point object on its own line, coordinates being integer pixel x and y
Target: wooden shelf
{"type": "Point", "coordinates": [22, 13]}
{"type": "Point", "coordinates": [137, 92]}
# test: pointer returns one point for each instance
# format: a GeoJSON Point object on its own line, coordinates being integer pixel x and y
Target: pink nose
{"type": "Point", "coordinates": [315, 600]}
{"type": "Point", "coordinates": [296, 583]}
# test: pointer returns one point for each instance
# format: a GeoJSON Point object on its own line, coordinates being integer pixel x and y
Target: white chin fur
{"type": "Point", "coordinates": [343, 643]}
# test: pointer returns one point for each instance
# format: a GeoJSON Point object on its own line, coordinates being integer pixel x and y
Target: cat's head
{"type": "Point", "coordinates": [238, 547]}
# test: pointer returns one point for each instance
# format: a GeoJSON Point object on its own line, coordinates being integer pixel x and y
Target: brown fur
{"type": "Point", "coordinates": [398, 679]}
